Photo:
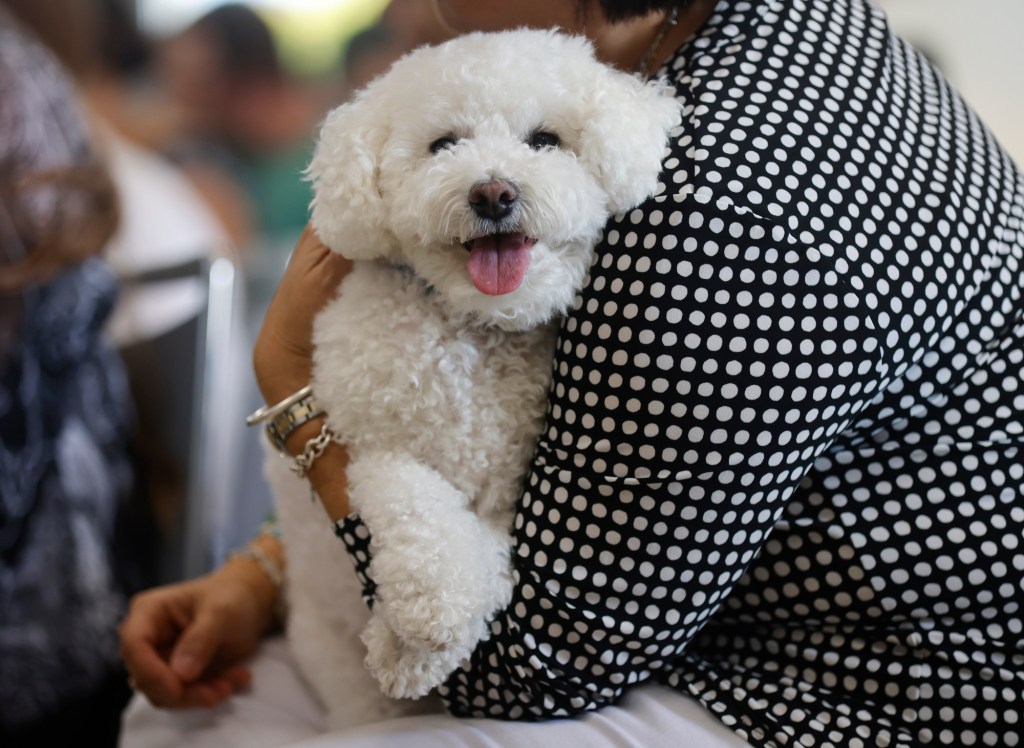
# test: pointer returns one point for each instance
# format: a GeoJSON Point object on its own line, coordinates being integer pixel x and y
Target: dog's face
{"type": "Point", "coordinates": [489, 166]}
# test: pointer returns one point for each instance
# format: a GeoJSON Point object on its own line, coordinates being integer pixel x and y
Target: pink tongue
{"type": "Point", "coordinates": [497, 264]}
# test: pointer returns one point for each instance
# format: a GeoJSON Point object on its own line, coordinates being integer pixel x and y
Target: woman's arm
{"type": "Point", "coordinates": [283, 355]}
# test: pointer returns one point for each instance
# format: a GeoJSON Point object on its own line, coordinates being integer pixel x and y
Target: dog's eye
{"type": "Point", "coordinates": [544, 139]}
{"type": "Point", "coordinates": [442, 144]}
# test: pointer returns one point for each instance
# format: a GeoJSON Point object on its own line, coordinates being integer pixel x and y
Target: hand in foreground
{"type": "Point", "coordinates": [183, 644]}
{"type": "Point", "coordinates": [282, 356]}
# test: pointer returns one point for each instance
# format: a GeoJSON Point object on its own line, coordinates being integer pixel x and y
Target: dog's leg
{"type": "Point", "coordinates": [440, 572]}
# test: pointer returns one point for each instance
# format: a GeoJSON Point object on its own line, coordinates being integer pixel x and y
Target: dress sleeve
{"type": "Point", "coordinates": [709, 362]}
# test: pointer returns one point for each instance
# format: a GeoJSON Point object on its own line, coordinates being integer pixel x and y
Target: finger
{"type": "Point", "coordinates": [215, 690]}
{"type": "Point", "coordinates": [148, 669]}
{"type": "Point", "coordinates": [312, 260]}
{"type": "Point", "coordinates": [197, 646]}
{"type": "Point", "coordinates": [238, 676]}
{"type": "Point", "coordinates": [161, 687]}
{"type": "Point", "coordinates": [150, 673]}
{"type": "Point", "coordinates": [308, 243]}
{"type": "Point", "coordinates": [202, 694]}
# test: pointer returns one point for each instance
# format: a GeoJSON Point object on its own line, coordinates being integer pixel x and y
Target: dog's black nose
{"type": "Point", "coordinates": [494, 199]}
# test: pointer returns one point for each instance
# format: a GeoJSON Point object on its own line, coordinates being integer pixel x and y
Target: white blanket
{"type": "Point", "coordinates": [279, 710]}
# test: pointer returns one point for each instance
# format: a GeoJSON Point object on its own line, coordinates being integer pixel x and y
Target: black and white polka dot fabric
{"type": "Point", "coordinates": [782, 467]}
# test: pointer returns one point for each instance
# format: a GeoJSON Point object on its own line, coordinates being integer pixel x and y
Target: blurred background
{"type": "Point", "coordinates": [204, 114]}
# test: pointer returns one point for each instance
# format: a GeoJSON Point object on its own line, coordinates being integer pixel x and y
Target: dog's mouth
{"type": "Point", "coordinates": [497, 262]}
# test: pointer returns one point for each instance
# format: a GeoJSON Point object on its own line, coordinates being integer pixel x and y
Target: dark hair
{"type": "Point", "coordinates": [67, 27]}
{"type": "Point", "coordinates": [244, 43]}
{"type": "Point", "coordinates": [621, 10]}
{"type": "Point", "coordinates": [123, 48]}
{"type": "Point", "coordinates": [86, 35]}
{"type": "Point", "coordinates": [365, 43]}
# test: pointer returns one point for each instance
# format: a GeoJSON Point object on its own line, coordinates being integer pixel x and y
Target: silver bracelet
{"type": "Point", "coordinates": [313, 449]}
{"type": "Point", "coordinates": [274, 573]}
{"type": "Point", "coordinates": [271, 569]}
{"type": "Point", "coordinates": [270, 411]}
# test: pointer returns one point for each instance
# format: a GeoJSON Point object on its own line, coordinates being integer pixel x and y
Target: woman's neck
{"type": "Point", "coordinates": [627, 43]}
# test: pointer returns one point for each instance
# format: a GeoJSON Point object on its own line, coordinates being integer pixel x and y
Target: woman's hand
{"type": "Point", "coordinates": [282, 356]}
{"type": "Point", "coordinates": [183, 644]}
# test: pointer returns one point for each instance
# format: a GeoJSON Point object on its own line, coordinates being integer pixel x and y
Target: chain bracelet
{"type": "Point", "coordinates": [313, 449]}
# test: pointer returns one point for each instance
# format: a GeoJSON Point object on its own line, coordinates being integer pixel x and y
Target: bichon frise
{"type": "Point", "coordinates": [470, 184]}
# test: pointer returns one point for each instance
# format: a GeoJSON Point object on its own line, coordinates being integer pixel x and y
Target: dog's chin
{"type": "Point", "coordinates": [518, 292]}
{"type": "Point", "coordinates": [518, 311]}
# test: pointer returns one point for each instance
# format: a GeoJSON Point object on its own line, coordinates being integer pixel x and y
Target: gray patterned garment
{"type": "Point", "coordinates": [64, 415]}
{"type": "Point", "coordinates": [782, 468]}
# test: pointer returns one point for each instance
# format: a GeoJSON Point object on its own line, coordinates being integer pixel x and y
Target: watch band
{"type": "Point", "coordinates": [289, 419]}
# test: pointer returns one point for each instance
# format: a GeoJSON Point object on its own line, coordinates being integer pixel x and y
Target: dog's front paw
{"type": "Point", "coordinates": [390, 664]}
{"type": "Point", "coordinates": [409, 669]}
{"type": "Point", "coordinates": [417, 671]}
{"type": "Point", "coordinates": [383, 647]}
{"type": "Point", "coordinates": [433, 622]}
{"type": "Point", "coordinates": [421, 670]}
{"type": "Point", "coordinates": [444, 607]}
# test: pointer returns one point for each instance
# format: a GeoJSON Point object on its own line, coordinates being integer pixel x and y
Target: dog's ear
{"type": "Point", "coordinates": [348, 211]}
{"type": "Point", "coordinates": [627, 130]}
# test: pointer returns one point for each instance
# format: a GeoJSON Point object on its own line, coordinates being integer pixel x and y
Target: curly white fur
{"type": "Point", "coordinates": [437, 388]}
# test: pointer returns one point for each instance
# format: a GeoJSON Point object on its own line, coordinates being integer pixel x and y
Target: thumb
{"type": "Point", "coordinates": [196, 648]}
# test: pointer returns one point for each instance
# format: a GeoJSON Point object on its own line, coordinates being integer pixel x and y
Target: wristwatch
{"type": "Point", "coordinates": [289, 419]}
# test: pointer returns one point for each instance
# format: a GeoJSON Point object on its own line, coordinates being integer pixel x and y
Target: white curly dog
{"type": "Point", "coordinates": [470, 184]}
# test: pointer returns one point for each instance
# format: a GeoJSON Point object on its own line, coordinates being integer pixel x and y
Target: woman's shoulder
{"type": "Point", "coordinates": [765, 82]}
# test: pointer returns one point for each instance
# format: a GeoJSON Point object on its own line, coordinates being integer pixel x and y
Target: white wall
{"type": "Point", "coordinates": [979, 44]}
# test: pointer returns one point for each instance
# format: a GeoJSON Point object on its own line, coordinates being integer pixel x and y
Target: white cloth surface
{"type": "Point", "coordinates": [280, 710]}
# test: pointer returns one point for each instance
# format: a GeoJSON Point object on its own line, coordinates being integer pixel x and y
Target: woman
{"type": "Point", "coordinates": [65, 412]}
{"type": "Point", "coordinates": [784, 430]}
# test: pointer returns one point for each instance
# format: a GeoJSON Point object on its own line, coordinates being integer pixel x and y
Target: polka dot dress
{"type": "Point", "coordinates": [782, 465]}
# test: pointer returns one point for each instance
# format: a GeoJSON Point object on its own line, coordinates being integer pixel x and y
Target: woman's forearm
{"type": "Point", "coordinates": [282, 357]}
{"type": "Point", "coordinates": [327, 474]}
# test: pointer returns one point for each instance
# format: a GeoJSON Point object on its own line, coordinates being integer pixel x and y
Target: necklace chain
{"type": "Point", "coordinates": [671, 18]}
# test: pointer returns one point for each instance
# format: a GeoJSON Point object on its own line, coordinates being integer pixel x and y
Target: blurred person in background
{"type": "Point", "coordinates": [166, 239]}
{"type": "Point", "coordinates": [165, 221]}
{"type": "Point", "coordinates": [245, 122]}
{"type": "Point", "coordinates": [65, 412]}
{"type": "Point", "coordinates": [367, 54]}
{"type": "Point", "coordinates": [165, 228]}
{"type": "Point", "coordinates": [404, 25]}
{"type": "Point", "coordinates": [413, 23]}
